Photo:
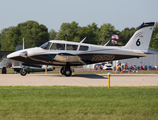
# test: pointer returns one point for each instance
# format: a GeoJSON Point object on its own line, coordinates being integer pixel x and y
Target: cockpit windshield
{"type": "Point", "coordinates": [46, 45]}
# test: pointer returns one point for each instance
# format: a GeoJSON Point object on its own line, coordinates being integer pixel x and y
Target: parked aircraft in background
{"type": "Point", "coordinates": [3, 66]}
{"type": "Point", "coordinates": [67, 54]}
{"type": "Point", "coordinates": [29, 69]}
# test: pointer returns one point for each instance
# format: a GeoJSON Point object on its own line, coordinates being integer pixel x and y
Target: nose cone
{"type": "Point", "coordinates": [24, 53]}
{"type": "Point", "coordinates": [20, 53]}
{"type": "Point", "coordinates": [12, 55]}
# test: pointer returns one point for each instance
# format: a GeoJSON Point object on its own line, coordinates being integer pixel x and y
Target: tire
{"type": "Point", "coordinates": [62, 70]}
{"type": "Point", "coordinates": [4, 71]}
{"type": "Point", "coordinates": [67, 72]}
{"type": "Point", "coordinates": [23, 72]}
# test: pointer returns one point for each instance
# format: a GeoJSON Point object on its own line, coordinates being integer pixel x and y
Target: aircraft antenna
{"type": "Point", "coordinates": [83, 40]}
{"type": "Point", "coordinates": [23, 43]}
{"type": "Point", "coordinates": [107, 43]}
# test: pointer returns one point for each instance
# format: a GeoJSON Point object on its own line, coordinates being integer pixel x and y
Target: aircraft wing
{"type": "Point", "coordinates": [68, 58]}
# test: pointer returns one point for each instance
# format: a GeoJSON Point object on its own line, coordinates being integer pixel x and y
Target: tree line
{"type": "Point", "coordinates": [36, 34]}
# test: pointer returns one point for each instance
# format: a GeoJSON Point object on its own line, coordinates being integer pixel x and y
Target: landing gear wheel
{"type": "Point", "coordinates": [67, 72]}
{"type": "Point", "coordinates": [62, 70]}
{"type": "Point", "coordinates": [23, 72]}
{"type": "Point", "coordinates": [4, 70]}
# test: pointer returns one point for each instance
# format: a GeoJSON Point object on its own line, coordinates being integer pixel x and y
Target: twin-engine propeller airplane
{"type": "Point", "coordinates": [67, 54]}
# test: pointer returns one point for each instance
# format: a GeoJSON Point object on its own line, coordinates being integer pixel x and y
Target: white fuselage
{"type": "Point", "coordinates": [92, 54]}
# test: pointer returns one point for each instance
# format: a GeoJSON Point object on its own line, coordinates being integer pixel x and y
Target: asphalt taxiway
{"type": "Point", "coordinates": [79, 80]}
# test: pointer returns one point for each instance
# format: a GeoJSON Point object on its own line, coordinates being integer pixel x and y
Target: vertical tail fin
{"type": "Point", "coordinates": [3, 63]}
{"type": "Point", "coordinates": [141, 38]}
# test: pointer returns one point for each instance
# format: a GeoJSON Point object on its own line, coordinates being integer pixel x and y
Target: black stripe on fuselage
{"type": "Point", "coordinates": [86, 58]}
{"type": "Point", "coordinates": [96, 58]}
{"type": "Point", "coordinates": [46, 57]}
{"type": "Point", "coordinates": [26, 60]}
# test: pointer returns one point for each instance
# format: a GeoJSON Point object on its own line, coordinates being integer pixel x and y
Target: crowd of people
{"type": "Point", "coordinates": [123, 67]}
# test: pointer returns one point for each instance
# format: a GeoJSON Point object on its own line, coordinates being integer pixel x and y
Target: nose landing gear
{"type": "Point", "coordinates": [23, 72]}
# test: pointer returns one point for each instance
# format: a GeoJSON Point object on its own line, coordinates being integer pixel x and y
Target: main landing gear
{"type": "Point", "coordinates": [4, 70]}
{"type": "Point", "coordinates": [66, 71]}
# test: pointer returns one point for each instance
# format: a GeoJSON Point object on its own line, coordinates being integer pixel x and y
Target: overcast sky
{"type": "Point", "coordinates": [52, 13]}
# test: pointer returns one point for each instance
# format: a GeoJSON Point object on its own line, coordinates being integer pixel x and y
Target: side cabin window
{"type": "Point", "coordinates": [83, 48]}
{"type": "Point", "coordinates": [46, 45]}
{"type": "Point", "coordinates": [57, 46]}
{"type": "Point", "coordinates": [71, 47]}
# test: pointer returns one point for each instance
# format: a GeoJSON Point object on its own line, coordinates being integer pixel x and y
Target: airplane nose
{"type": "Point", "coordinates": [11, 55]}
{"type": "Point", "coordinates": [8, 56]}
{"type": "Point", "coordinates": [24, 54]}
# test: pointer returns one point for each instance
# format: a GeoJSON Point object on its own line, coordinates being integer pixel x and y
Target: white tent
{"type": "Point", "coordinates": [149, 60]}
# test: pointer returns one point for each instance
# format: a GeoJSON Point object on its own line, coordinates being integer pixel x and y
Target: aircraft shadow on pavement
{"type": "Point", "coordinates": [90, 76]}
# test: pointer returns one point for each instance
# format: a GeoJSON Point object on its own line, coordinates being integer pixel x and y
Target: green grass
{"type": "Point", "coordinates": [76, 103]}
